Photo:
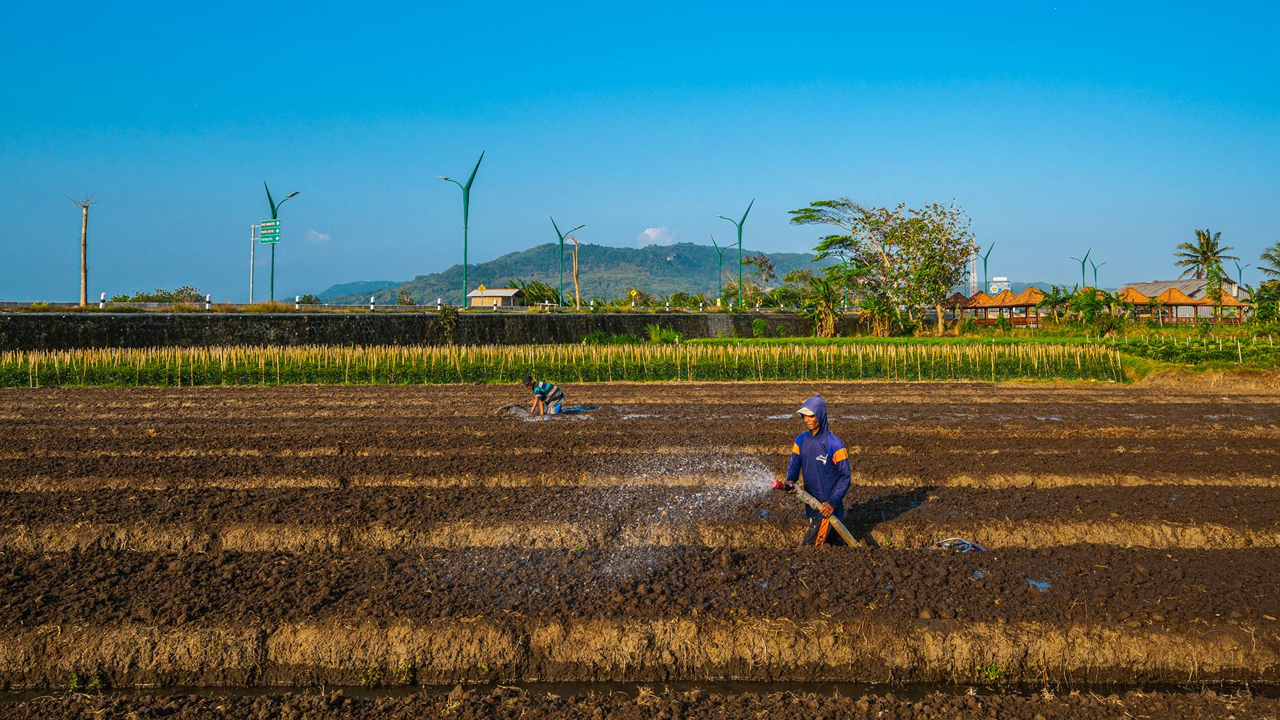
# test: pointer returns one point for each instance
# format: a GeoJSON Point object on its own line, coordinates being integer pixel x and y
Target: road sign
{"type": "Point", "coordinates": [269, 231]}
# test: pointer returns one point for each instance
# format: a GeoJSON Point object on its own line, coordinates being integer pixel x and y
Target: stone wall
{"type": "Point", "coordinates": [59, 331]}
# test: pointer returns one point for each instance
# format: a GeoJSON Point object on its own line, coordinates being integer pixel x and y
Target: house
{"type": "Point", "coordinates": [483, 297]}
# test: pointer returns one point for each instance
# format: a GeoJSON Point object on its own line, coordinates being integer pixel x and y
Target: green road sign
{"type": "Point", "coordinates": [269, 231]}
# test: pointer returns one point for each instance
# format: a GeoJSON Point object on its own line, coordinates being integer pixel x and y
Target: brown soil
{"type": "Point", "coordinates": [515, 703]}
{"type": "Point", "coordinates": [395, 535]}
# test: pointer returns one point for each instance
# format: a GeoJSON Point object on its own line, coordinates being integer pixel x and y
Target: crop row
{"type": "Point", "coordinates": [1197, 350]}
{"type": "Point", "coordinates": [244, 365]}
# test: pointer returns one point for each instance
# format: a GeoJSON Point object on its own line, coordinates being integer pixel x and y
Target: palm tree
{"type": "Point", "coordinates": [1197, 258]}
{"type": "Point", "coordinates": [1271, 261]}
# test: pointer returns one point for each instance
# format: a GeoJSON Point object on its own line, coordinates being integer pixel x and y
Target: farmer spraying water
{"type": "Point", "coordinates": [822, 459]}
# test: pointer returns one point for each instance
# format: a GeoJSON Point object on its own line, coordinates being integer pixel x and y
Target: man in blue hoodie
{"type": "Point", "coordinates": [824, 462]}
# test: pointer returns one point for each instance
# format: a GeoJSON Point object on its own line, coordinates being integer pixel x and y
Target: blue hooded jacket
{"type": "Point", "coordinates": [824, 460]}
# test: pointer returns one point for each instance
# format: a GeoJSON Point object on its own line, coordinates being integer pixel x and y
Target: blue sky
{"type": "Point", "coordinates": [1059, 126]}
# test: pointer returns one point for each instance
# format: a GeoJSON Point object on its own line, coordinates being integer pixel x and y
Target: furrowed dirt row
{"type": "Point", "coordinates": [982, 436]}
{"type": "Point", "coordinates": [743, 515]}
{"type": "Point", "coordinates": [1071, 614]}
{"type": "Point", "coordinates": [693, 705]}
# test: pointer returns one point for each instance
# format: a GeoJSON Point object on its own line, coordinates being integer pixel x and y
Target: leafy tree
{"type": "Point", "coordinates": [1270, 265]}
{"type": "Point", "coordinates": [404, 297]}
{"type": "Point", "coordinates": [892, 257]}
{"type": "Point", "coordinates": [1213, 289]}
{"type": "Point", "coordinates": [308, 300]}
{"type": "Point", "coordinates": [1203, 254]}
{"type": "Point", "coordinates": [1054, 300]}
{"type": "Point", "coordinates": [1266, 302]}
{"type": "Point", "coordinates": [936, 246]}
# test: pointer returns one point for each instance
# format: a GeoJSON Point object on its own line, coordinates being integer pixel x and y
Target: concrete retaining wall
{"type": "Point", "coordinates": [60, 331]}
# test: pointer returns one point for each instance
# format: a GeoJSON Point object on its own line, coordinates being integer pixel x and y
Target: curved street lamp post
{"type": "Point", "coordinates": [275, 212]}
{"type": "Point", "coordinates": [738, 224]}
{"type": "Point", "coordinates": [1083, 281]}
{"type": "Point", "coordinates": [562, 237]}
{"type": "Point", "coordinates": [1095, 272]}
{"type": "Point", "coordinates": [719, 268]}
{"type": "Point", "coordinates": [466, 205]}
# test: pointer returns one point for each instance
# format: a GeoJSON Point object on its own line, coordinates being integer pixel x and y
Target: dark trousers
{"type": "Point", "coordinates": [812, 535]}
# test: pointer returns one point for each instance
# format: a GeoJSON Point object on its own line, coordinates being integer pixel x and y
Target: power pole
{"type": "Point", "coordinates": [84, 204]}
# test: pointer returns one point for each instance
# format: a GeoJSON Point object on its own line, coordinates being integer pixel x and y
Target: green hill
{"type": "Point", "coordinates": [603, 272]}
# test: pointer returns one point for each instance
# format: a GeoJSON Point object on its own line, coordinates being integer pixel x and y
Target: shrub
{"type": "Point", "coordinates": [663, 336]}
{"type": "Point", "coordinates": [759, 328]}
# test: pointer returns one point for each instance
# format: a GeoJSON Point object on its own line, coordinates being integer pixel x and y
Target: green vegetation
{"type": "Point", "coordinates": [563, 363]}
{"type": "Point", "coordinates": [1257, 352]}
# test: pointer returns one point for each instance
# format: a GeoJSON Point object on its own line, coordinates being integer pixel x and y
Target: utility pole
{"type": "Point", "coordinates": [84, 204]}
{"type": "Point", "coordinates": [253, 238]}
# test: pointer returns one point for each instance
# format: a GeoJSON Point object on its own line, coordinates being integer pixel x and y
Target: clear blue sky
{"type": "Point", "coordinates": [1058, 125]}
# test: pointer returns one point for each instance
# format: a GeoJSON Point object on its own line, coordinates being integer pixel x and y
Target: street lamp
{"type": "Point", "coordinates": [719, 268]}
{"type": "Point", "coordinates": [738, 224]}
{"type": "Point", "coordinates": [466, 204]}
{"type": "Point", "coordinates": [1095, 272]}
{"type": "Point", "coordinates": [275, 213]}
{"type": "Point", "coordinates": [990, 247]}
{"type": "Point", "coordinates": [1083, 282]}
{"type": "Point", "coordinates": [561, 236]}
{"type": "Point", "coordinates": [1240, 275]}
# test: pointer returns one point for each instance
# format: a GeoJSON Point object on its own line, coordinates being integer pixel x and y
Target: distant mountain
{"type": "Point", "coordinates": [603, 272]}
{"type": "Point", "coordinates": [359, 287]}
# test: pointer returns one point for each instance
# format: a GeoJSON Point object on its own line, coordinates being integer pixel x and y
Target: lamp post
{"type": "Point", "coordinates": [275, 212]}
{"type": "Point", "coordinates": [561, 236]}
{"type": "Point", "coordinates": [1082, 261]}
{"type": "Point", "coordinates": [738, 224]}
{"type": "Point", "coordinates": [466, 205]}
{"type": "Point", "coordinates": [719, 268]}
{"type": "Point", "coordinates": [1240, 275]}
{"type": "Point", "coordinates": [985, 255]}
{"type": "Point", "coordinates": [1095, 272]}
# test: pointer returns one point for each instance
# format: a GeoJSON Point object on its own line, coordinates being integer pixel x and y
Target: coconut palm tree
{"type": "Point", "coordinates": [1206, 252]}
{"type": "Point", "coordinates": [1271, 261]}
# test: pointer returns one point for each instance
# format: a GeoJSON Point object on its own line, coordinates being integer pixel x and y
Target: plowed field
{"type": "Point", "coordinates": [392, 536]}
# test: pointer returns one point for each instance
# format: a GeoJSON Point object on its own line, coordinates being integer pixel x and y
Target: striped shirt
{"type": "Point", "coordinates": [549, 393]}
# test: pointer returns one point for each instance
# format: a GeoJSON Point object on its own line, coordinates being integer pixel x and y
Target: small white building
{"type": "Point", "coordinates": [483, 297]}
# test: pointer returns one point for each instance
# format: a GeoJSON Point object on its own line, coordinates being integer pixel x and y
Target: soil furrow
{"type": "Point", "coordinates": [646, 703]}
{"type": "Point", "coordinates": [351, 651]}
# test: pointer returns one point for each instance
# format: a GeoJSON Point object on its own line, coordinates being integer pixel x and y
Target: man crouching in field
{"type": "Point", "coordinates": [824, 461]}
{"type": "Point", "coordinates": [547, 397]}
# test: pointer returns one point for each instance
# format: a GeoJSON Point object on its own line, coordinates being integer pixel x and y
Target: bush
{"type": "Point", "coordinates": [759, 328]}
{"type": "Point", "coordinates": [184, 294]}
{"type": "Point", "coordinates": [598, 337]}
{"type": "Point", "coordinates": [663, 336]}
